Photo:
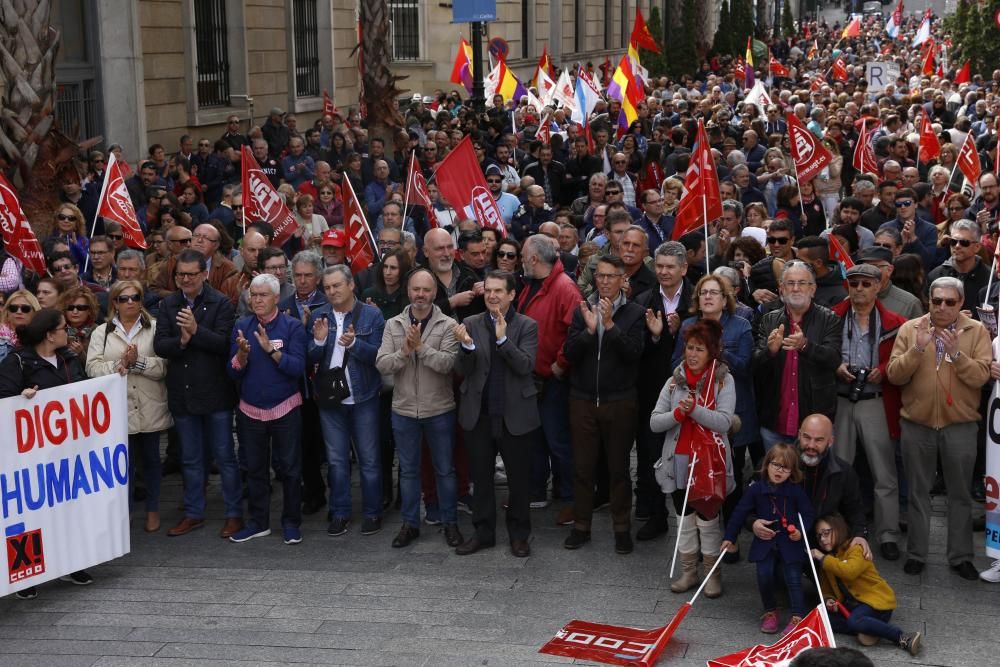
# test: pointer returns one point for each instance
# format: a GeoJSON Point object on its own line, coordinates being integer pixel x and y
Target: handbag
{"type": "Point", "coordinates": [330, 386]}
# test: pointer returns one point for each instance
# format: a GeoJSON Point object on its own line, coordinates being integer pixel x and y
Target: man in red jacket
{"type": "Point", "coordinates": [549, 297]}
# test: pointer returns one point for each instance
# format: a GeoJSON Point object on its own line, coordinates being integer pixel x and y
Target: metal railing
{"type": "Point", "coordinates": [212, 53]}
{"type": "Point", "coordinates": [405, 27]}
{"type": "Point", "coordinates": [305, 38]}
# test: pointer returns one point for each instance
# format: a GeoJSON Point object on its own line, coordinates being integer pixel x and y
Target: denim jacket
{"type": "Point", "coordinates": [368, 327]}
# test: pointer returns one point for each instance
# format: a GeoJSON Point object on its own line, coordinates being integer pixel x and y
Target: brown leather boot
{"type": "Point", "coordinates": [689, 573]}
{"type": "Point", "coordinates": [232, 526]}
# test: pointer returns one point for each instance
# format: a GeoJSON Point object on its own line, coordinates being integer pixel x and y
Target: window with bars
{"type": "Point", "coordinates": [76, 108]}
{"type": "Point", "coordinates": [212, 53]}
{"type": "Point", "coordinates": [305, 36]}
{"type": "Point", "coordinates": [405, 17]}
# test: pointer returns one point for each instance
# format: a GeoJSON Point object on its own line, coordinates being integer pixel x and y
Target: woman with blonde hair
{"type": "Point", "coordinates": [20, 307]}
{"type": "Point", "coordinates": [68, 225]}
{"type": "Point", "coordinates": [671, 191]}
{"type": "Point", "coordinates": [124, 345]}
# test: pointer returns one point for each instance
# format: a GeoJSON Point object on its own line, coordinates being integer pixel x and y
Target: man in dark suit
{"type": "Point", "coordinates": [498, 411]}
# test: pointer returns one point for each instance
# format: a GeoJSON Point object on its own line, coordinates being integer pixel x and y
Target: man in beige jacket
{"type": "Point", "coordinates": [940, 361]}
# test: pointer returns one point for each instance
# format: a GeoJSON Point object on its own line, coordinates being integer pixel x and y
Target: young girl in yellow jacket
{"type": "Point", "coordinates": [853, 586]}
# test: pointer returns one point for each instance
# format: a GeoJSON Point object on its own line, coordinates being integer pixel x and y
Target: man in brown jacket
{"type": "Point", "coordinates": [941, 361]}
{"type": "Point", "coordinates": [205, 240]}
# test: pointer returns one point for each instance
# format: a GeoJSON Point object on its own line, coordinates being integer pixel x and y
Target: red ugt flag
{"type": "Point", "coordinates": [18, 238]}
{"type": "Point", "coordinates": [416, 189]}
{"type": "Point", "coordinates": [930, 146]}
{"type": "Point", "coordinates": [839, 69]}
{"type": "Point", "coordinates": [462, 184]}
{"type": "Point", "coordinates": [701, 194]}
{"type": "Point", "coordinates": [968, 161]}
{"type": "Point", "coordinates": [864, 155]}
{"type": "Point", "coordinates": [361, 244]}
{"type": "Point", "coordinates": [262, 202]}
{"type": "Point", "coordinates": [813, 631]}
{"type": "Point", "coordinates": [810, 156]}
{"type": "Point", "coordinates": [116, 204]}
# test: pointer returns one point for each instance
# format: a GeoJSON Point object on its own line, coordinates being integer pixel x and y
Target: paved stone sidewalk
{"type": "Point", "coordinates": [353, 600]}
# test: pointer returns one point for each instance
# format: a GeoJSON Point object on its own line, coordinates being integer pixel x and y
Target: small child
{"type": "Point", "coordinates": [853, 582]}
{"type": "Point", "coordinates": [777, 498]}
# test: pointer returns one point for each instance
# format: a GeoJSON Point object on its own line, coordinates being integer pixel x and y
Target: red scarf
{"type": "Point", "coordinates": [707, 398]}
{"type": "Point", "coordinates": [706, 450]}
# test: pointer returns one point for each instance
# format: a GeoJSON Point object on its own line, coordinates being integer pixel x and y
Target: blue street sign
{"type": "Point", "coordinates": [473, 11]}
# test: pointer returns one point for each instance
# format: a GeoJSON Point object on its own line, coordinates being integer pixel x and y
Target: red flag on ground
{"type": "Point", "coordinates": [839, 69]}
{"type": "Point", "coordinates": [813, 631]}
{"type": "Point", "coordinates": [776, 68]}
{"type": "Point", "coordinates": [968, 161]}
{"type": "Point", "coordinates": [964, 75]}
{"type": "Point", "coordinates": [701, 194]}
{"type": "Point", "coordinates": [864, 155]}
{"type": "Point", "coordinates": [262, 202]}
{"type": "Point", "coordinates": [361, 245]}
{"type": "Point", "coordinates": [810, 155]}
{"type": "Point", "coordinates": [463, 186]}
{"type": "Point", "coordinates": [416, 190]}
{"type": "Point", "coordinates": [19, 239]}
{"type": "Point", "coordinates": [116, 204]}
{"type": "Point", "coordinates": [329, 108]}
{"type": "Point", "coordinates": [930, 146]}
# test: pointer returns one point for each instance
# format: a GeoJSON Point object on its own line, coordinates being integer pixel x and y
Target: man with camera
{"type": "Point", "coordinates": [868, 405]}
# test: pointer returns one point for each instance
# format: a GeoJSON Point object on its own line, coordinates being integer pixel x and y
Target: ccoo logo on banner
{"type": "Point", "coordinates": [64, 474]}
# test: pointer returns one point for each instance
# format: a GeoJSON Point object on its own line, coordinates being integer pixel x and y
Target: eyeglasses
{"type": "Point", "coordinates": [613, 192]}
{"type": "Point", "coordinates": [181, 241]}
{"type": "Point", "coordinates": [607, 276]}
{"type": "Point", "coordinates": [779, 240]}
{"type": "Point", "coordinates": [127, 298]}
{"type": "Point", "coordinates": [115, 237]}
{"type": "Point", "coordinates": [864, 284]}
{"type": "Point", "coordinates": [710, 292]}
{"type": "Point", "coordinates": [825, 533]}
{"type": "Point", "coordinates": [62, 216]}
{"type": "Point", "coordinates": [184, 275]}
{"type": "Point", "coordinates": [887, 246]}
{"type": "Point", "coordinates": [237, 207]}
{"type": "Point", "coordinates": [494, 180]}
{"type": "Point", "coordinates": [903, 203]}
{"type": "Point", "coordinates": [779, 467]}
{"type": "Point", "coordinates": [77, 307]}
{"type": "Point", "coordinates": [64, 267]}
{"type": "Point", "coordinates": [275, 269]}
{"type": "Point", "coordinates": [202, 237]}
{"type": "Point", "coordinates": [965, 243]}
{"type": "Point", "coordinates": [795, 284]}
{"type": "Point", "coordinates": [506, 254]}
{"type": "Point", "coordinates": [19, 308]}
{"type": "Point", "coordinates": [937, 301]}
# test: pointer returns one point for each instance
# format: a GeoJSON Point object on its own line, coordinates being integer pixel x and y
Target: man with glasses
{"type": "Point", "coordinates": [658, 226]}
{"type": "Point", "coordinates": [892, 297]}
{"type": "Point", "coordinates": [102, 263]}
{"type": "Point", "coordinates": [64, 269]}
{"type": "Point", "coordinates": [614, 194]}
{"type": "Point", "coordinates": [919, 236]}
{"type": "Point", "coordinates": [964, 263]}
{"type": "Point", "coordinates": [795, 358]}
{"type": "Point", "coordinates": [192, 333]}
{"type": "Point", "coordinates": [941, 362]}
{"type": "Point", "coordinates": [985, 210]}
{"type": "Point", "coordinates": [506, 202]}
{"type": "Point", "coordinates": [232, 136]}
{"type": "Point", "coordinates": [272, 261]}
{"type": "Point", "coordinates": [867, 404]}
{"type": "Point", "coordinates": [763, 275]}
{"type": "Point", "coordinates": [625, 179]}
{"type": "Point", "coordinates": [205, 240]}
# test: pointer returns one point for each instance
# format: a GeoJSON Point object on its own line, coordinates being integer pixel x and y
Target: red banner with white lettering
{"type": "Point", "coordinates": [19, 239]}
{"type": "Point", "coordinates": [116, 204]}
{"type": "Point", "coordinates": [810, 155]}
{"type": "Point", "coordinates": [416, 190]}
{"type": "Point", "coordinates": [329, 108]}
{"type": "Point", "coordinates": [811, 632]}
{"type": "Point", "coordinates": [262, 202]}
{"type": "Point", "coordinates": [930, 145]}
{"type": "Point", "coordinates": [701, 201]}
{"type": "Point", "coordinates": [968, 161]}
{"type": "Point", "coordinates": [361, 246]}
{"type": "Point", "coordinates": [462, 184]}
{"type": "Point", "coordinates": [864, 153]}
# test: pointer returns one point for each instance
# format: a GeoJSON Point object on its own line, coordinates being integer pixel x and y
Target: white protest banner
{"type": "Point", "coordinates": [64, 473]}
{"type": "Point", "coordinates": [880, 74]}
{"type": "Point", "coordinates": [993, 466]}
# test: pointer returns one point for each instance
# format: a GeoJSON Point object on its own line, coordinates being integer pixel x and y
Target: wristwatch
{"type": "Point", "coordinates": [273, 350]}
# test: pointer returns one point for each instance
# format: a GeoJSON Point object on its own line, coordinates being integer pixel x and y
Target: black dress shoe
{"type": "Point", "coordinates": [623, 543]}
{"type": "Point", "coordinates": [471, 546]}
{"type": "Point", "coordinates": [653, 528]}
{"type": "Point", "coordinates": [406, 535]}
{"type": "Point", "coordinates": [966, 570]}
{"type": "Point", "coordinates": [890, 551]}
{"type": "Point", "coordinates": [576, 539]}
{"type": "Point", "coordinates": [452, 535]}
{"type": "Point", "coordinates": [913, 566]}
{"type": "Point", "coordinates": [520, 548]}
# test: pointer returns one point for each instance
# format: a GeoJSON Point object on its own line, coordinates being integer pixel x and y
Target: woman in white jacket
{"type": "Point", "coordinates": [696, 411]}
{"type": "Point", "coordinates": [124, 345]}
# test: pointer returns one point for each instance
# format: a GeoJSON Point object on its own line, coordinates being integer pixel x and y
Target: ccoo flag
{"type": "Point", "coordinates": [116, 204]}
{"type": "Point", "coordinates": [809, 154]}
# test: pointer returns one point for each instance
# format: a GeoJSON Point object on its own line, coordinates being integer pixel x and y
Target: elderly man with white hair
{"type": "Point", "coordinates": [267, 359]}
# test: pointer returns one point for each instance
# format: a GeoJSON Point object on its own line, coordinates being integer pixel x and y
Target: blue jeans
{"type": "Point", "coordinates": [440, 433]}
{"type": "Point", "coordinates": [341, 424]}
{"type": "Point", "coordinates": [144, 449]}
{"type": "Point", "coordinates": [556, 447]}
{"type": "Point", "coordinates": [215, 430]}
{"type": "Point", "coordinates": [257, 438]}
{"type": "Point", "coordinates": [767, 571]}
{"type": "Point", "coordinates": [868, 621]}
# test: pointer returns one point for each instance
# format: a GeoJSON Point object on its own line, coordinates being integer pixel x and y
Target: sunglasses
{"type": "Point", "coordinates": [937, 301]}
{"type": "Point", "coordinates": [115, 237]}
{"type": "Point", "coordinates": [865, 284]}
{"type": "Point", "coordinates": [19, 308]}
{"type": "Point", "coordinates": [506, 254]}
{"type": "Point", "coordinates": [494, 180]}
{"type": "Point", "coordinates": [613, 192]}
{"type": "Point", "coordinates": [65, 217]}
{"type": "Point", "coordinates": [78, 307]}
{"type": "Point", "coordinates": [126, 298]}
{"type": "Point", "coordinates": [965, 243]}
{"type": "Point", "coordinates": [887, 246]}
{"type": "Point", "coordinates": [903, 203]}
{"type": "Point", "coordinates": [181, 241]}
{"type": "Point", "coordinates": [779, 240]}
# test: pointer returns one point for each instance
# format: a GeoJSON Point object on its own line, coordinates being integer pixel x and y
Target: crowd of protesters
{"type": "Point", "coordinates": [581, 330]}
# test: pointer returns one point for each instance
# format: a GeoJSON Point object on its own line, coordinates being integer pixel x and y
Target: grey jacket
{"type": "Point", "coordinates": [423, 386]}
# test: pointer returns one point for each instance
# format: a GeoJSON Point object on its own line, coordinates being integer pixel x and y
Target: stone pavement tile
{"type": "Point", "coordinates": [325, 636]}
{"type": "Point", "coordinates": [463, 661]}
{"type": "Point", "coordinates": [14, 612]}
{"type": "Point", "coordinates": [481, 651]}
{"type": "Point", "coordinates": [45, 632]}
{"type": "Point", "coordinates": [91, 618]}
{"type": "Point", "coordinates": [380, 616]}
{"type": "Point", "coordinates": [602, 599]}
{"type": "Point", "coordinates": [75, 603]}
{"type": "Point", "coordinates": [418, 590]}
{"type": "Point", "coordinates": [108, 591]}
{"type": "Point", "coordinates": [322, 584]}
{"type": "Point", "coordinates": [288, 655]}
{"type": "Point", "coordinates": [415, 604]}
{"type": "Point", "coordinates": [81, 647]}
{"type": "Point", "coordinates": [182, 662]}
{"type": "Point", "coordinates": [116, 568]}
{"type": "Point", "coordinates": [41, 659]}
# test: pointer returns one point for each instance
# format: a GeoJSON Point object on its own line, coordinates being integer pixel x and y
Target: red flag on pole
{"type": "Point", "coordinates": [544, 133]}
{"type": "Point", "coordinates": [838, 253]}
{"type": "Point", "coordinates": [462, 184]}
{"type": "Point", "coordinates": [641, 36]}
{"type": "Point", "coordinates": [19, 239]}
{"type": "Point", "coordinates": [968, 161]}
{"type": "Point", "coordinates": [839, 69]}
{"type": "Point", "coordinates": [776, 68]}
{"type": "Point", "coordinates": [864, 155]}
{"type": "Point", "coordinates": [361, 245]}
{"type": "Point", "coordinates": [810, 155]}
{"type": "Point", "coordinates": [416, 189]}
{"type": "Point", "coordinates": [116, 204]}
{"type": "Point", "coordinates": [811, 632]}
{"type": "Point", "coordinates": [701, 201]}
{"type": "Point", "coordinates": [964, 75]}
{"type": "Point", "coordinates": [928, 66]}
{"type": "Point", "coordinates": [329, 108]}
{"type": "Point", "coordinates": [930, 146]}
{"type": "Point", "coordinates": [262, 202]}
{"type": "Point", "coordinates": [740, 70]}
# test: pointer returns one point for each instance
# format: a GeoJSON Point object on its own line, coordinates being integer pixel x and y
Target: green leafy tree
{"type": "Point", "coordinates": [975, 35]}
{"type": "Point", "coordinates": [656, 63]}
{"type": "Point", "coordinates": [682, 53]}
{"type": "Point", "coordinates": [741, 20]}
{"type": "Point", "coordinates": [723, 42]}
{"type": "Point", "coordinates": [787, 22]}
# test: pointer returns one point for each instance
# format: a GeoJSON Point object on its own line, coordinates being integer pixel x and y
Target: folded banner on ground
{"type": "Point", "coordinates": [813, 631]}
{"type": "Point", "coordinates": [64, 472]}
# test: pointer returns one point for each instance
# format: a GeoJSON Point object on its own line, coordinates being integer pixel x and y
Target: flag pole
{"type": "Point", "coordinates": [680, 518]}
{"type": "Point", "coordinates": [704, 211]}
{"type": "Point", "coordinates": [989, 283]}
{"type": "Point", "coordinates": [819, 589]}
{"type": "Point", "coordinates": [104, 188]}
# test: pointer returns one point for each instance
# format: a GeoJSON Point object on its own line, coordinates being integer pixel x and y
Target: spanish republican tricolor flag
{"type": "Point", "coordinates": [625, 89]}
{"type": "Point", "coordinates": [544, 67]}
{"type": "Point", "coordinates": [749, 79]}
{"type": "Point", "coordinates": [461, 71]}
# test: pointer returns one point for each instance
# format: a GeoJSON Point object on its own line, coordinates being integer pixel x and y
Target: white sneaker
{"type": "Point", "coordinates": [539, 504]}
{"type": "Point", "coordinates": [991, 575]}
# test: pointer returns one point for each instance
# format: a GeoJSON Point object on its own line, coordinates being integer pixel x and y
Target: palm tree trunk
{"type": "Point", "coordinates": [380, 91]}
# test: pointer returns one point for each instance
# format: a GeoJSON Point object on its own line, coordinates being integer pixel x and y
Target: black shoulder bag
{"type": "Point", "coordinates": [330, 386]}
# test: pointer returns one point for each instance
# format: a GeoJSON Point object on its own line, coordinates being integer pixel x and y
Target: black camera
{"type": "Point", "coordinates": [858, 386]}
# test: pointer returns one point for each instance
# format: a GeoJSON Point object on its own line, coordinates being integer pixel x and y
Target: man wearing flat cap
{"type": "Point", "coordinates": [867, 404]}
{"type": "Point", "coordinates": [894, 298]}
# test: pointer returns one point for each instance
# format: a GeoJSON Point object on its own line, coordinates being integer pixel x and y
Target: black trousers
{"type": "Point", "coordinates": [649, 448]}
{"type": "Point", "coordinates": [313, 451]}
{"type": "Point", "coordinates": [488, 437]}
